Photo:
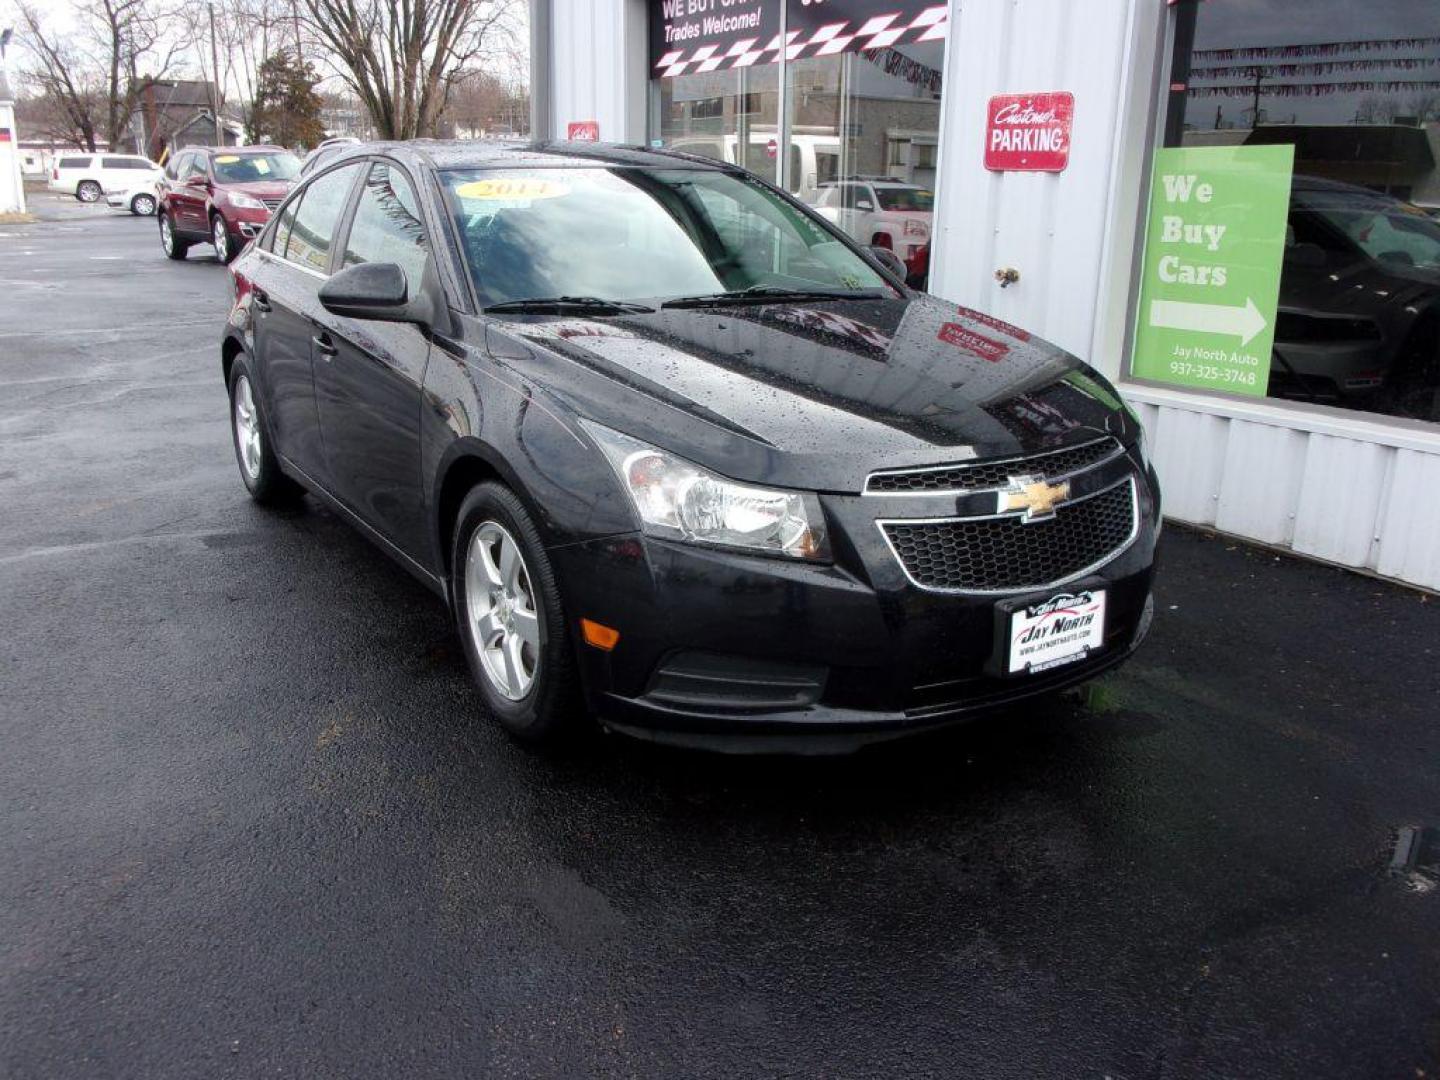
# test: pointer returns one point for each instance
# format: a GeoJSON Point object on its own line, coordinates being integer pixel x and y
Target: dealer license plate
{"type": "Point", "coordinates": [1061, 630]}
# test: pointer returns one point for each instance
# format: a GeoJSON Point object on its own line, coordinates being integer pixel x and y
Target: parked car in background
{"type": "Point", "coordinates": [222, 195]}
{"type": "Point", "coordinates": [140, 201]}
{"type": "Point", "coordinates": [679, 455]}
{"type": "Point", "coordinates": [326, 150]}
{"type": "Point", "coordinates": [1359, 314]}
{"type": "Point", "coordinates": [881, 213]}
{"type": "Point", "coordinates": [89, 177]}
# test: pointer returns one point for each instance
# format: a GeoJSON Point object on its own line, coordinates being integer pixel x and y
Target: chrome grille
{"type": "Point", "coordinates": [975, 476]}
{"type": "Point", "coordinates": [1006, 554]}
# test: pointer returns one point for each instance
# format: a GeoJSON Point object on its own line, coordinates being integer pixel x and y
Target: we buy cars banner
{"type": "Point", "coordinates": [690, 36]}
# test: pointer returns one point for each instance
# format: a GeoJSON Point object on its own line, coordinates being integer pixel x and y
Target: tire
{"type": "Point", "coordinates": [250, 433]}
{"type": "Point", "coordinates": [172, 245]}
{"type": "Point", "coordinates": [89, 191]}
{"type": "Point", "coordinates": [220, 239]}
{"type": "Point", "coordinates": [545, 711]}
{"type": "Point", "coordinates": [143, 205]}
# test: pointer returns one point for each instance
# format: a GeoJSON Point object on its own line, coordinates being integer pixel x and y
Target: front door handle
{"type": "Point", "coordinates": [262, 302]}
{"type": "Point", "coordinates": [324, 346]}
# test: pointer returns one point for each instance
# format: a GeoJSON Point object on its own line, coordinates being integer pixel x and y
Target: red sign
{"type": "Point", "coordinates": [971, 342]}
{"type": "Point", "coordinates": [1029, 132]}
{"type": "Point", "coordinates": [584, 131]}
{"type": "Point", "coordinates": [995, 324]}
{"type": "Point", "coordinates": [772, 149]}
{"type": "Point", "coordinates": [4, 134]}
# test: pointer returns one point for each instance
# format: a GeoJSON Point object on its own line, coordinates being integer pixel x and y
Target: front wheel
{"type": "Point", "coordinates": [88, 191]}
{"type": "Point", "coordinates": [142, 205]}
{"type": "Point", "coordinates": [225, 249]}
{"type": "Point", "coordinates": [511, 619]}
{"type": "Point", "coordinates": [174, 247]}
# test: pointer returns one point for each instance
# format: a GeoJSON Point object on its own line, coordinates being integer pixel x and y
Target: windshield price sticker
{"type": "Point", "coordinates": [1061, 630]}
{"type": "Point", "coordinates": [1213, 254]}
{"type": "Point", "coordinates": [512, 189]}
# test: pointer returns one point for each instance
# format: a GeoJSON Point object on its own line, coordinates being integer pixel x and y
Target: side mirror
{"type": "Point", "coordinates": [198, 180]}
{"type": "Point", "coordinates": [864, 204]}
{"type": "Point", "coordinates": [377, 292]}
{"type": "Point", "coordinates": [892, 262]}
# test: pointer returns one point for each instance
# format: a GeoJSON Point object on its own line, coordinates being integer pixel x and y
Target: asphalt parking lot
{"type": "Point", "coordinates": [252, 822]}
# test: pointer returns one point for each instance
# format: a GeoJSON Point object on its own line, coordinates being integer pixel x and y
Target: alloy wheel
{"type": "Point", "coordinates": [89, 192]}
{"type": "Point", "coordinates": [501, 611]}
{"type": "Point", "coordinates": [222, 240]}
{"type": "Point", "coordinates": [247, 428]}
{"type": "Point", "coordinates": [167, 234]}
{"type": "Point", "coordinates": [143, 205]}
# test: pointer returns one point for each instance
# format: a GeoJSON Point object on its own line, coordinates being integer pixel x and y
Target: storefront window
{"type": "Point", "coordinates": [1339, 114]}
{"type": "Point", "coordinates": [862, 85]}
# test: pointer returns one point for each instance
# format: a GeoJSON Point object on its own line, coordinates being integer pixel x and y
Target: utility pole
{"type": "Point", "coordinates": [215, 77]}
{"type": "Point", "coordinates": [1259, 74]}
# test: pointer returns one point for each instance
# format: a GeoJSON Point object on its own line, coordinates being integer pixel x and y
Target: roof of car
{"type": "Point", "coordinates": [489, 153]}
{"type": "Point", "coordinates": [258, 148]}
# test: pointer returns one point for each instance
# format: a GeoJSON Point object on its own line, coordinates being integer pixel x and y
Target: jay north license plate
{"type": "Point", "coordinates": [1061, 630]}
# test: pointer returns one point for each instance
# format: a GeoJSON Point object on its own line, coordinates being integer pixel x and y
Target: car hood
{"type": "Point", "coordinates": [262, 189]}
{"type": "Point", "coordinates": [1360, 287]}
{"type": "Point", "coordinates": [818, 395]}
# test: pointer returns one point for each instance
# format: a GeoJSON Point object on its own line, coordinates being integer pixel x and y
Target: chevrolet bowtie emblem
{"type": "Point", "coordinates": [1034, 496]}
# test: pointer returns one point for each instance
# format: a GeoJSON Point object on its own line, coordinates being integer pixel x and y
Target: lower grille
{"type": "Point", "coordinates": [1005, 554]}
{"type": "Point", "coordinates": [272, 204]}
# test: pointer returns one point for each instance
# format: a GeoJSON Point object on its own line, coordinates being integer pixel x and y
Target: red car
{"type": "Point", "coordinates": [222, 195]}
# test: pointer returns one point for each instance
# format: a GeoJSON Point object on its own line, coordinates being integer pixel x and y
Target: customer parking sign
{"type": "Point", "coordinates": [1213, 254]}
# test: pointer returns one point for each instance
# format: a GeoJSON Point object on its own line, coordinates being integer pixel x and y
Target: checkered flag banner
{"type": "Point", "coordinates": [831, 39]}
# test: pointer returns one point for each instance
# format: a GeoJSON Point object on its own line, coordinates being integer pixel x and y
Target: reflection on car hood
{"type": "Point", "coordinates": [819, 395]}
{"type": "Point", "coordinates": [1360, 288]}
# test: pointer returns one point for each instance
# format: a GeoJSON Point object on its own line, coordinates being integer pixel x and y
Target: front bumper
{"type": "Point", "coordinates": [736, 652]}
{"type": "Point", "coordinates": [245, 223]}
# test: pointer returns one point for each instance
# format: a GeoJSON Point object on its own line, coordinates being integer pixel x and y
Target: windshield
{"type": "Point", "coordinates": [911, 199]}
{"type": "Point", "coordinates": [634, 234]}
{"type": "Point", "coordinates": [1386, 230]}
{"type": "Point", "coordinates": [250, 168]}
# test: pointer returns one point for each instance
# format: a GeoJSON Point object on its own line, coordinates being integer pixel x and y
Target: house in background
{"type": "Point", "coordinates": [176, 113]}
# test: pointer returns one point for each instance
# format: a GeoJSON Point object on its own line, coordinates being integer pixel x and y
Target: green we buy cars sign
{"type": "Point", "coordinates": [1213, 253]}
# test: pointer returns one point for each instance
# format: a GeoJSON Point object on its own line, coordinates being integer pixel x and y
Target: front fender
{"type": "Point", "coordinates": [482, 421]}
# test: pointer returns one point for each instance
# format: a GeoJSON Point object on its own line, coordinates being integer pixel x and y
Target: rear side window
{"type": "Point", "coordinates": [314, 226]}
{"type": "Point", "coordinates": [123, 163]}
{"type": "Point", "coordinates": [74, 163]}
{"type": "Point", "coordinates": [280, 235]}
{"type": "Point", "coordinates": [172, 169]}
{"type": "Point", "coordinates": [387, 225]}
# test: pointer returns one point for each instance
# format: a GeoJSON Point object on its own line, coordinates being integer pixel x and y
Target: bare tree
{"type": "Point", "coordinates": [1424, 107]}
{"type": "Point", "coordinates": [68, 83]}
{"type": "Point", "coordinates": [403, 57]}
{"type": "Point", "coordinates": [95, 76]}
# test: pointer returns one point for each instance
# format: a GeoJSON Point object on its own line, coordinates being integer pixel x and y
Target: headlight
{"type": "Point", "coordinates": [245, 202]}
{"type": "Point", "coordinates": [916, 227]}
{"type": "Point", "coordinates": [681, 501]}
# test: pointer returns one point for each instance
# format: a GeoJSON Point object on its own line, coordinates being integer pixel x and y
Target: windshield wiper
{"type": "Point", "coordinates": [595, 305]}
{"type": "Point", "coordinates": [759, 294]}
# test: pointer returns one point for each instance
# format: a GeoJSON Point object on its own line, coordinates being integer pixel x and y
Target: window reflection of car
{"type": "Point", "coordinates": [1359, 318]}
{"type": "Point", "coordinates": [881, 213]}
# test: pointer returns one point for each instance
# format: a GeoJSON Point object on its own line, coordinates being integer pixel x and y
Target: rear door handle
{"type": "Point", "coordinates": [324, 346]}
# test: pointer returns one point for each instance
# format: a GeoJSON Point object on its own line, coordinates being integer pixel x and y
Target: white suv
{"type": "Point", "coordinates": [90, 176]}
{"type": "Point", "coordinates": [881, 213]}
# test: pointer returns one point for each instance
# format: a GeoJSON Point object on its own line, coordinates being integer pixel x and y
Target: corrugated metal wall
{"type": "Point", "coordinates": [1367, 499]}
{"type": "Point", "coordinates": [598, 70]}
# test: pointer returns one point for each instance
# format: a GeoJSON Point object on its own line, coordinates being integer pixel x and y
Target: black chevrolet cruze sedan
{"type": "Point", "coordinates": [678, 454]}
